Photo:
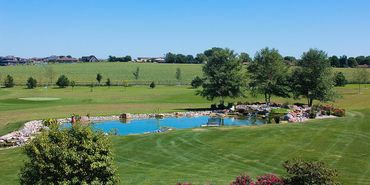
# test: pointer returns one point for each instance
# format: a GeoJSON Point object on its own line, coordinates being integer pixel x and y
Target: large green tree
{"type": "Point", "coordinates": [268, 74]}
{"type": "Point", "coordinates": [313, 77]}
{"type": "Point", "coordinates": [223, 75]}
{"type": "Point", "coordinates": [77, 155]}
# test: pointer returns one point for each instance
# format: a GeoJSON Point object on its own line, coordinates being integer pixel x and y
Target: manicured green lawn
{"type": "Point", "coordinates": [217, 155]}
{"type": "Point", "coordinates": [201, 155]}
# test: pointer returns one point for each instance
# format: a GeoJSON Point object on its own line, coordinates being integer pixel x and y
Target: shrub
{"type": "Point", "coordinates": [49, 122]}
{"type": "Point", "coordinates": [31, 83]}
{"type": "Point", "coordinates": [213, 106]}
{"type": "Point", "coordinates": [340, 79]}
{"type": "Point", "coordinates": [62, 81]}
{"type": "Point", "coordinates": [108, 82]}
{"type": "Point", "coordinates": [196, 82]}
{"type": "Point", "coordinates": [185, 183]}
{"type": "Point", "coordinates": [339, 112]}
{"type": "Point", "coordinates": [242, 180]}
{"type": "Point", "coordinates": [69, 156]}
{"type": "Point", "coordinates": [307, 172]}
{"type": "Point", "coordinates": [221, 106]}
{"type": "Point", "coordinates": [9, 82]}
{"type": "Point", "coordinates": [152, 85]}
{"type": "Point", "coordinates": [269, 179]}
{"type": "Point", "coordinates": [73, 84]}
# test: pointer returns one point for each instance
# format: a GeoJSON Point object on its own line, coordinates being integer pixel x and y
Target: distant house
{"type": "Point", "coordinates": [12, 60]}
{"type": "Point", "coordinates": [151, 59]}
{"type": "Point", "coordinates": [90, 58]}
{"type": "Point", "coordinates": [61, 59]}
{"type": "Point", "coordinates": [364, 66]}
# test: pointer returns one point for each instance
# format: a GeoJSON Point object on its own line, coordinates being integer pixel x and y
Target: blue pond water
{"type": "Point", "coordinates": [142, 126]}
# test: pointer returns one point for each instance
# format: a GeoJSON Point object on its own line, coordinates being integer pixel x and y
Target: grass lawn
{"type": "Point", "coordinates": [214, 155]}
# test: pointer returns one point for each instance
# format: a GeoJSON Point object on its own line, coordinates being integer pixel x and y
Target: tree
{"type": "Point", "coordinates": [108, 82]}
{"type": "Point", "coordinates": [152, 85]}
{"type": "Point", "coordinates": [170, 58]}
{"type": "Point", "coordinates": [343, 61]}
{"type": "Point", "coordinates": [244, 58]}
{"type": "Point", "coordinates": [99, 77]}
{"type": "Point", "coordinates": [77, 155]}
{"type": "Point", "coordinates": [196, 82]}
{"type": "Point", "coordinates": [334, 61]}
{"type": "Point", "coordinates": [31, 83]}
{"type": "Point", "coordinates": [360, 76]}
{"type": "Point", "coordinates": [73, 84]}
{"type": "Point", "coordinates": [201, 58]}
{"type": "Point", "coordinates": [340, 79]}
{"type": "Point", "coordinates": [9, 81]}
{"type": "Point", "coordinates": [62, 81]}
{"type": "Point", "coordinates": [309, 172]}
{"type": "Point", "coordinates": [178, 74]}
{"type": "Point", "coordinates": [223, 76]}
{"type": "Point", "coordinates": [268, 75]}
{"type": "Point", "coordinates": [313, 78]}
{"type": "Point", "coordinates": [352, 62]}
{"type": "Point", "coordinates": [290, 60]}
{"type": "Point", "coordinates": [136, 73]}
{"type": "Point", "coordinates": [361, 60]}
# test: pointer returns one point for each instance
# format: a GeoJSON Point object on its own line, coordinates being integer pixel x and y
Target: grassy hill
{"type": "Point", "coordinates": [85, 73]}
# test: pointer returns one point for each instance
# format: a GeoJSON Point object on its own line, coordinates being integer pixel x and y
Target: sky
{"type": "Point", "coordinates": [40, 28]}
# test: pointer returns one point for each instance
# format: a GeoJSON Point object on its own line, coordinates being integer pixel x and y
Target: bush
{"type": "Point", "coordinates": [9, 82]}
{"type": "Point", "coordinates": [307, 172]}
{"type": "Point", "coordinates": [242, 180]}
{"type": "Point", "coordinates": [69, 156]}
{"type": "Point", "coordinates": [63, 81]}
{"type": "Point", "coordinates": [339, 112]}
{"type": "Point", "coordinates": [340, 79]}
{"type": "Point", "coordinates": [49, 122]}
{"type": "Point", "coordinates": [152, 85]}
{"type": "Point", "coordinates": [196, 82]}
{"type": "Point", "coordinates": [108, 82]}
{"type": "Point", "coordinates": [31, 83]}
{"type": "Point", "coordinates": [269, 179]}
{"type": "Point", "coordinates": [213, 106]}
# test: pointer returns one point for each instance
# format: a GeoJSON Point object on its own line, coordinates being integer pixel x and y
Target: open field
{"type": "Point", "coordinates": [214, 155]}
{"type": "Point", "coordinates": [85, 73]}
{"type": "Point", "coordinates": [117, 72]}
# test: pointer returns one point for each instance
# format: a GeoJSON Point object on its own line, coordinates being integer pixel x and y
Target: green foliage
{"type": "Point", "coordinates": [269, 75]}
{"type": "Point", "coordinates": [99, 77]}
{"type": "Point", "coordinates": [313, 78]}
{"type": "Point", "coordinates": [244, 58]}
{"type": "Point", "coordinates": [179, 58]}
{"type": "Point", "coordinates": [9, 81]}
{"type": "Point", "coordinates": [340, 80]}
{"type": "Point", "coordinates": [31, 83]}
{"type": "Point", "coordinates": [49, 122]}
{"type": "Point", "coordinates": [108, 82]}
{"type": "Point", "coordinates": [69, 156]}
{"type": "Point", "coordinates": [136, 73]}
{"type": "Point", "coordinates": [152, 85]}
{"type": "Point", "coordinates": [63, 81]}
{"type": "Point", "coordinates": [119, 59]}
{"type": "Point", "coordinates": [178, 74]}
{"type": "Point", "coordinates": [73, 84]}
{"type": "Point", "coordinates": [196, 82]}
{"type": "Point", "coordinates": [223, 75]}
{"type": "Point", "coordinates": [307, 173]}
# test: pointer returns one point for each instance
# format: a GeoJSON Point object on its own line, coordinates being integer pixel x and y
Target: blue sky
{"type": "Point", "coordinates": [154, 27]}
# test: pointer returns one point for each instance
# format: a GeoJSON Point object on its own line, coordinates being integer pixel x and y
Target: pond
{"type": "Point", "coordinates": [152, 125]}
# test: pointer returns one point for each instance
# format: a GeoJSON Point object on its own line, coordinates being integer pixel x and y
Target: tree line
{"type": "Point", "coordinates": [313, 78]}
